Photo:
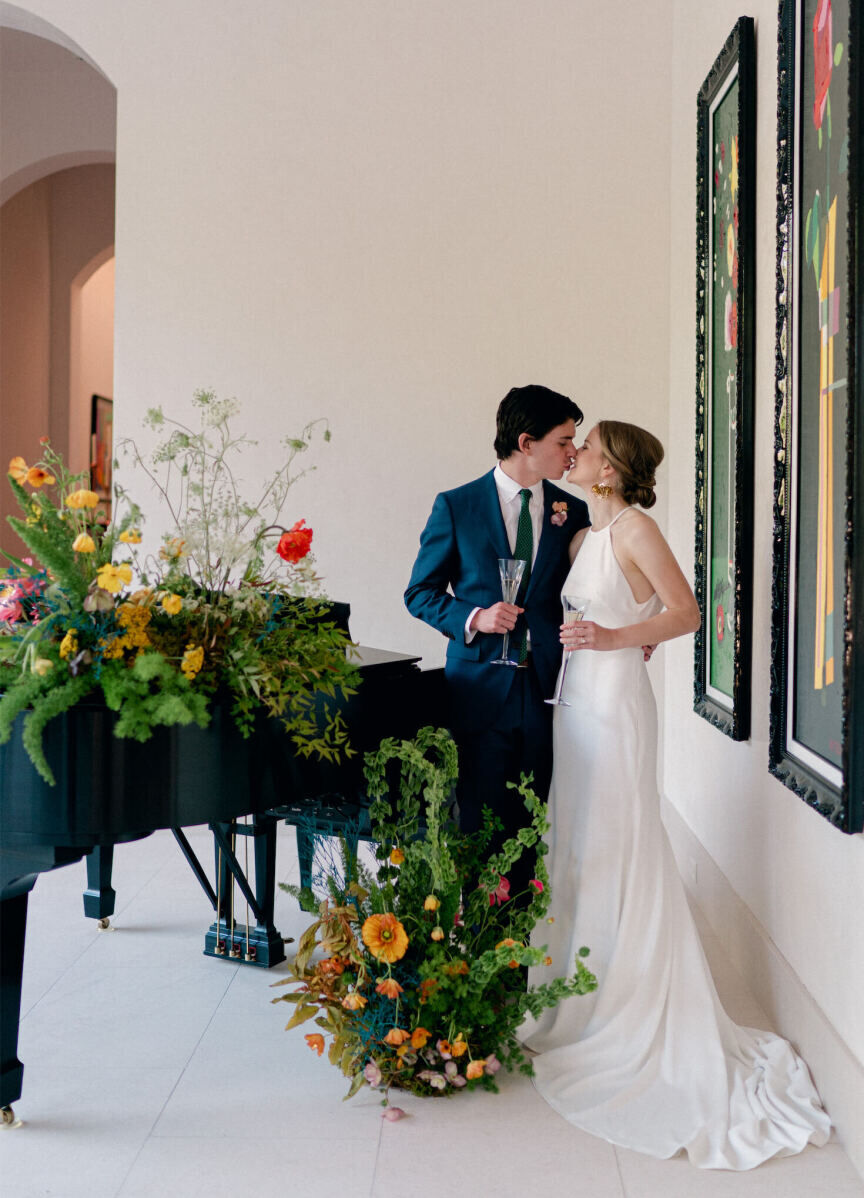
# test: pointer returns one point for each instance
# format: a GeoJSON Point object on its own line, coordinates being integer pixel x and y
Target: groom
{"type": "Point", "coordinates": [498, 716]}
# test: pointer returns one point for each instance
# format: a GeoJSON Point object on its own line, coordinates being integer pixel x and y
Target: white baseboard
{"type": "Point", "coordinates": [789, 1006]}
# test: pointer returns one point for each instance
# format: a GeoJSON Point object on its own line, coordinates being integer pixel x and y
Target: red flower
{"type": "Point", "coordinates": [501, 893]}
{"type": "Point", "coordinates": [823, 56]}
{"type": "Point", "coordinates": [295, 543]}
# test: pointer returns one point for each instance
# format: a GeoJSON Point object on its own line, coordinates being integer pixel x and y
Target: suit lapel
{"type": "Point", "coordinates": [491, 517]}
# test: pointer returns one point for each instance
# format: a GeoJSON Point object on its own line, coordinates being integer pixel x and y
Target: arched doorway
{"type": "Point", "coordinates": [56, 229]}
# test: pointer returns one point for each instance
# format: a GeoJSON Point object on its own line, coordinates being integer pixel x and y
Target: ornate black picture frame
{"type": "Point", "coordinates": [725, 280]}
{"type": "Point", "coordinates": [816, 744]}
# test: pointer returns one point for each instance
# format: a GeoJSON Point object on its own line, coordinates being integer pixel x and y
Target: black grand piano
{"type": "Point", "coordinates": [110, 791]}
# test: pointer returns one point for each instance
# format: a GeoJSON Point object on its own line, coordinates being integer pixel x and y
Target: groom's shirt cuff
{"type": "Point", "coordinates": [470, 632]}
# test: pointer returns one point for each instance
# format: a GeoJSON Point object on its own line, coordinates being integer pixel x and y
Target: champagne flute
{"type": "Point", "coordinates": [511, 570]}
{"type": "Point", "coordinates": [575, 608]}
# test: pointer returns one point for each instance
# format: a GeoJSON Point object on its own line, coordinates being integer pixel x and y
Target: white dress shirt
{"type": "Point", "coordinates": [510, 498]}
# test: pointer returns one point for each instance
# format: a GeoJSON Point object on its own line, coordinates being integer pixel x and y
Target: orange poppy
{"type": "Point", "coordinates": [354, 1001]}
{"type": "Point", "coordinates": [389, 987]}
{"type": "Point", "coordinates": [385, 937]}
{"type": "Point", "coordinates": [396, 1036]}
{"type": "Point", "coordinates": [315, 1041]}
{"type": "Point", "coordinates": [37, 477]}
{"type": "Point", "coordinates": [475, 1069]}
{"type": "Point", "coordinates": [419, 1037]}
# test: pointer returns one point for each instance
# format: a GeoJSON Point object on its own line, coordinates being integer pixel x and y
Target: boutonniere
{"type": "Point", "coordinates": [559, 512]}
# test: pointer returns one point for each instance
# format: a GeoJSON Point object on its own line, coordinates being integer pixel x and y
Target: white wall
{"type": "Point", "coordinates": [802, 879]}
{"type": "Point", "coordinates": [387, 214]}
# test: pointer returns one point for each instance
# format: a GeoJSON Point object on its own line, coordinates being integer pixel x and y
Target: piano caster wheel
{"type": "Point", "coordinates": [7, 1117]}
{"type": "Point", "coordinates": [103, 924]}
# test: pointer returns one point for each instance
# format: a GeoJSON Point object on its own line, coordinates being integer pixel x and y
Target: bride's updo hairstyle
{"type": "Point", "coordinates": [634, 454]}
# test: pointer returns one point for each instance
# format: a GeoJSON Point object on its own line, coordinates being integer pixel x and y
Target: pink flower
{"type": "Point", "coordinates": [823, 56]}
{"type": "Point", "coordinates": [11, 610]}
{"type": "Point", "coordinates": [492, 1065]}
{"type": "Point", "coordinates": [372, 1074]}
{"type": "Point", "coordinates": [393, 1114]}
{"type": "Point", "coordinates": [501, 893]}
{"type": "Point", "coordinates": [537, 884]}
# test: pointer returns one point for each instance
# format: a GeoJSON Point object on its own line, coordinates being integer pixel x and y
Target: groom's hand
{"type": "Point", "coordinates": [500, 617]}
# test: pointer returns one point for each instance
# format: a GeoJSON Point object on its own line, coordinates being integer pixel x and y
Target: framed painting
{"type": "Point", "coordinates": [102, 449]}
{"type": "Point", "coordinates": [817, 680]}
{"type": "Point", "coordinates": [725, 276]}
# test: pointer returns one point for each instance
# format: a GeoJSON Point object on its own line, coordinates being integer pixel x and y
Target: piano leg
{"type": "Point", "coordinates": [229, 937]}
{"type": "Point", "coordinates": [13, 924]}
{"type": "Point", "coordinates": [99, 897]}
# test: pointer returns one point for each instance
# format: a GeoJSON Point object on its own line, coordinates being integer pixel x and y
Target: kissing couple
{"type": "Point", "coordinates": [650, 1060]}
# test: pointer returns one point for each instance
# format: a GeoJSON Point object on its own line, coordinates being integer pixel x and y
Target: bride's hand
{"type": "Point", "coordinates": [585, 634]}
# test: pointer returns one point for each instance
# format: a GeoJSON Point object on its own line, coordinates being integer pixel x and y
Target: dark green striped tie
{"type": "Point", "coordinates": [523, 550]}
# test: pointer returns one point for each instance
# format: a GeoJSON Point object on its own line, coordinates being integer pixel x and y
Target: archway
{"type": "Point", "coordinates": [56, 229]}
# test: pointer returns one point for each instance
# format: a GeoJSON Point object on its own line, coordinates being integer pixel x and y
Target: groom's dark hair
{"type": "Point", "coordinates": [533, 410]}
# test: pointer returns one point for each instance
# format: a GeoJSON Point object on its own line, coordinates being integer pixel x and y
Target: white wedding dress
{"type": "Point", "coordinates": [650, 1060]}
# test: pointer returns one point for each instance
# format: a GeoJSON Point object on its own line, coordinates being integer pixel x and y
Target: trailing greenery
{"type": "Point", "coordinates": [412, 970]}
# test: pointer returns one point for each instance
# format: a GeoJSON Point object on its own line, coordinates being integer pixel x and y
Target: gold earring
{"type": "Point", "coordinates": [603, 490]}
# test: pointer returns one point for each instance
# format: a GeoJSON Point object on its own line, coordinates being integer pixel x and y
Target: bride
{"type": "Point", "coordinates": [650, 1060]}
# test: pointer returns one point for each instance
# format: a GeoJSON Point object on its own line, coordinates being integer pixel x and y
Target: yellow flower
{"type": "Point", "coordinates": [18, 469]}
{"type": "Point", "coordinates": [547, 960]}
{"type": "Point", "coordinates": [84, 543]}
{"type": "Point", "coordinates": [437, 933]}
{"type": "Point", "coordinates": [113, 578]}
{"type": "Point", "coordinates": [475, 1069]}
{"type": "Point", "coordinates": [172, 604]}
{"type": "Point", "coordinates": [396, 1036]}
{"type": "Point", "coordinates": [130, 536]}
{"type": "Point", "coordinates": [81, 499]}
{"type": "Point", "coordinates": [69, 644]}
{"type": "Point", "coordinates": [389, 987]}
{"type": "Point", "coordinates": [459, 1046]}
{"type": "Point", "coordinates": [396, 856]}
{"type": "Point", "coordinates": [354, 1001]}
{"type": "Point", "coordinates": [431, 903]}
{"type": "Point", "coordinates": [42, 665]}
{"type": "Point", "coordinates": [193, 660]}
{"type": "Point", "coordinates": [37, 477]}
{"type": "Point", "coordinates": [419, 1037]}
{"type": "Point", "coordinates": [385, 937]}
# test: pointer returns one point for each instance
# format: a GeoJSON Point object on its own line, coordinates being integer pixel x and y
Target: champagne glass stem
{"type": "Point", "coordinates": [505, 648]}
{"type": "Point", "coordinates": [564, 665]}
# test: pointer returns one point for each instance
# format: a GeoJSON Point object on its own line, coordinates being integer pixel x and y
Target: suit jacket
{"type": "Point", "coordinates": [459, 549]}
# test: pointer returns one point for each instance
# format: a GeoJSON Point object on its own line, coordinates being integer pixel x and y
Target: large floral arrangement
{"type": "Point", "coordinates": [412, 970]}
{"type": "Point", "coordinates": [228, 608]}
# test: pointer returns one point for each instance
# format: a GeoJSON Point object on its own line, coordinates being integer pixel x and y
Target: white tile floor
{"type": "Point", "coordinates": [153, 1070]}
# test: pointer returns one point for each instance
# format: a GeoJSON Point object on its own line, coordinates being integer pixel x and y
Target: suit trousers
{"type": "Point", "coordinates": [520, 741]}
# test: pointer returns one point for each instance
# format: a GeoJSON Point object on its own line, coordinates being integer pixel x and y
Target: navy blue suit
{"type": "Point", "coordinates": [498, 717]}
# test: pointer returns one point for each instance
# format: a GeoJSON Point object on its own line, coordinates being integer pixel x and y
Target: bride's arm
{"type": "Point", "coordinates": [576, 544]}
{"type": "Point", "coordinates": [645, 548]}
